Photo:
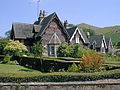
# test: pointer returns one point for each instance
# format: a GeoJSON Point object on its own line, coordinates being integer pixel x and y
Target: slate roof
{"type": "Point", "coordinates": [107, 39]}
{"type": "Point", "coordinates": [22, 30]}
{"type": "Point", "coordinates": [72, 30]}
{"type": "Point", "coordinates": [45, 22]}
{"type": "Point", "coordinates": [96, 38]}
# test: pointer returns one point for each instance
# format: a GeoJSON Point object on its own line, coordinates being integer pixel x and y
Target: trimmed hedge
{"type": "Point", "coordinates": [63, 77]}
{"type": "Point", "coordinates": [46, 64]}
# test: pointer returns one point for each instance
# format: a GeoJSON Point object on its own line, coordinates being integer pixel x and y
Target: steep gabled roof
{"type": "Point", "coordinates": [22, 30]}
{"type": "Point", "coordinates": [46, 21]}
{"type": "Point", "coordinates": [96, 38]}
{"type": "Point", "coordinates": [108, 40]}
{"type": "Point", "coordinates": [73, 30]}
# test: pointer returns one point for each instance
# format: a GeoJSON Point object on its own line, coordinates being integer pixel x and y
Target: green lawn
{"type": "Point", "coordinates": [17, 70]}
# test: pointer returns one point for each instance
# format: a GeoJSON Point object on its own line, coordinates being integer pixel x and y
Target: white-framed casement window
{"type": "Point", "coordinates": [52, 50]}
{"type": "Point", "coordinates": [77, 39]}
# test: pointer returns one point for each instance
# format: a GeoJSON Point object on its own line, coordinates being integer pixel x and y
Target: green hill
{"type": "Point", "coordinates": [112, 31]}
{"type": "Point", "coordinates": [84, 25]}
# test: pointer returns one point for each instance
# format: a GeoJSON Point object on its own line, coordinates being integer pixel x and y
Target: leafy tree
{"type": "Point", "coordinates": [7, 34]}
{"type": "Point", "coordinates": [3, 43]}
{"type": "Point", "coordinates": [65, 50]}
{"type": "Point", "coordinates": [15, 48]}
{"type": "Point", "coordinates": [37, 49]}
{"type": "Point", "coordinates": [92, 32]}
{"type": "Point", "coordinates": [62, 50]}
{"type": "Point", "coordinates": [77, 53]}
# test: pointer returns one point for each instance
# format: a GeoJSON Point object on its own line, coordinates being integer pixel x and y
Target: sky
{"type": "Point", "coordinates": [100, 13]}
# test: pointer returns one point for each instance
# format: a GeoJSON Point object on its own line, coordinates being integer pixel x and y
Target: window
{"type": "Point", "coordinates": [52, 50]}
{"type": "Point", "coordinates": [77, 39]}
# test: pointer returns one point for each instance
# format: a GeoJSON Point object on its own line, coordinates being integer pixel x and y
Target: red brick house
{"type": "Point", "coordinates": [52, 32]}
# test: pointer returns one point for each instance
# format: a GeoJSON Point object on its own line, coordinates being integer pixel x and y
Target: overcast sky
{"type": "Point", "coordinates": [100, 13]}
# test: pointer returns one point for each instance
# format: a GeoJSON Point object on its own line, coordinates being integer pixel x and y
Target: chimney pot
{"type": "Point", "coordinates": [66, 24]}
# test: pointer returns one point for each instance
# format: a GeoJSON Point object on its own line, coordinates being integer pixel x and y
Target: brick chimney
{"type": "Point", "coordinates": [41, 15]}
{"type": "Point", "coordinates": [66, 25]}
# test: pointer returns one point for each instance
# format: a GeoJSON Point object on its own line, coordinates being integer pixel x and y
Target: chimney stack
{"type": "Point", "coordinates": [41, 15]}
{"type": "Point", "coordinates": [66, 24]}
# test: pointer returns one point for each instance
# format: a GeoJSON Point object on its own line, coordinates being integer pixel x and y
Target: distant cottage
{"type": "Point", "coordinates": [52, 32]}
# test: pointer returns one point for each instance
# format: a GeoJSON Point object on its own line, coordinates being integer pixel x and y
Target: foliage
{"type": "Point", "coordinates": [63, 50]}
{"type": "Point", "coordinates": [91, 61]}
{"type": "Point", "coordinates": [73, 68]}
{"type": "Point", "coordinates": [37, 49]}
{"type": "Point", "coordinates": [58, 77]}
{"type": "Point", "coordinates": [77, 51]}
{"type": "Point", "coordinates": [112, 58]}
{"type": "Point", "coordinates": [3, 43]}
{"type": "Point", "coordinates": [66, 50]}
{"type": "Point", "coordinates": [8, 33]}
{"type": "Point", "coordinates": [15, 48]}
{"type": "Point", "coordinates": [6, 59]}
{"type": "Point", "coordinates": [118, 54]}
{"type": "Point", "coordinates": [46, 64]}
{"type": "Point", "coordinates": [118, 45]}
{"type": "Point", "coordinates": [113, 32]}
{"type": "Point", "coordinates": [92, 32]}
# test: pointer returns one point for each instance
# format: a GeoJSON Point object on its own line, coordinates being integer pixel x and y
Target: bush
{"type": "Point", "coordinates": [59, 77]}
{"type": "Point", "coordinates": [3, 43]}
{"type": "Point", "coordinates": [77, 51]}
{"type": "Point", "coordinates": [6, 59]}
{"type": "Point", "coordinates": [73, 68]}
{"type": "Point", "coordinates": [91, 61]}
{"type": "Point", "coordinates": [66, 50]}
{"type": "Point", "coordinates": [15, 48]}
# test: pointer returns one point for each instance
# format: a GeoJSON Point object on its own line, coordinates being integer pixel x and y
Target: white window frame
{"type": "Point", "coordinates": [77, 39]}
{"type": "Point", "coordinates": [52, 53]}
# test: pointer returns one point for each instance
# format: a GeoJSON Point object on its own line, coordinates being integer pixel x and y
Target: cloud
{"type": "Point", "coordinates": [35, 0]}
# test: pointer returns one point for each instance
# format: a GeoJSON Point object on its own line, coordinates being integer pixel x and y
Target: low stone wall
{"type": "Point", "coordinates": [91, 85]}
{"type": "Point", "coordinates": [80, 87]}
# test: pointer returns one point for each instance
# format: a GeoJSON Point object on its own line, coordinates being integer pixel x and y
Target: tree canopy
{"type": "Point", "coordinates": [15, 48]}
{"type": "Point", "coordinates": [92, 32]}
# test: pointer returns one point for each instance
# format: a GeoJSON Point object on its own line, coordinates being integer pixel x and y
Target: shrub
{"type": "Point", "coordinates": [6, 59]}
{"type": "Point", "coordinates": [73, 68]}
{"type": "Point", "coordinates": [3, 43]}
{"type": "Point", "coordinates": [118, 54]}
{"type": "Point", "coordinates": [77, 51]}
{"type": "Point", "coordinates": [59, 77]}
{"type": "Point", "coordinates": [15, 48]}
{"type": "Point", "coordinates": [64, 50]}
{"type": "Point", "coordinates": [37, 49]}
{"type": "Point", "coordinates": [91, 61]}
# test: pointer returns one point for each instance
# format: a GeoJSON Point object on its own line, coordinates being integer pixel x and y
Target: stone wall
{"type": "Point", "coordinates": [61, 86]}
{"type": "Point", "coordinates": [76, 87]}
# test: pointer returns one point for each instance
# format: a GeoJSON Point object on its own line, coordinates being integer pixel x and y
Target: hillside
{"type": "Point", "coordinates": [84, 25]}
{"type": "Point", "coordinates": [112, 31]}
